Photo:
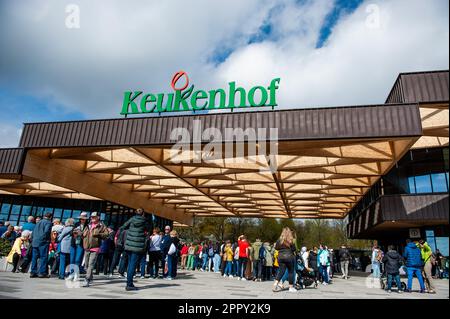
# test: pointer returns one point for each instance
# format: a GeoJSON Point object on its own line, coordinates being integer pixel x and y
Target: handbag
{"type": "Point", "coordinates": [172, 249]}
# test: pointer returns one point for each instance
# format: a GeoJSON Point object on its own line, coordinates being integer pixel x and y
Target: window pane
{"type": "Point", "coordinates": [26, 211]}
{"type": "Point", "coordinates": [16, 210]}
{"type": "Point", "coordinates": [411, 186]}
{"type": "Point", "coordinates": [439, 182]}
{"type": "Point", "coordinates": [57, 213]}
{"type": "Point", "coordinates": [76, 214]}
{"type": "Point", "coordinates": [423, 184]}
{"type": "Point", "coordinates": [40, 211]}
{"type": "Point", "coordinates": [67, 213]}
{"type": "Point", "coordinates": [5, 211]}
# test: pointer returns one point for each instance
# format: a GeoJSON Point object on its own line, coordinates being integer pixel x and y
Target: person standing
{"type": "Point", "coordinates": [286, 258]}
{"type": "Point", "coordinates": [376, 261]}
{"type": "Point", "coordinates": [323, 262]}
{"type": "Point", "coordinates": [65, 240]}
{"type": "Point", "coordinates": [228, 256]}
{"type": "Point", "coordinates": [243, 246]}
{"type": "Point", "coordinates": [392, 260]}
{"type": "Point", "coordinates": [313, 263]}
{"type": "Point", "coordinates": [344, 259]}
{"type": "Point", "coordinates": [184, 255]}
{"type": "Point", "coordinates": [165, 245]}
{"type": "Point", "coordinates": [29, 225]}
{"type": "Point", "coordinates": [3, 228]}
{"type": "Point", "coordinates": [136, 227]}
{"type": "Point", "coordinates": [216, 259]}
{"type": "Point", "coordinates": [77, 250]}
{"type": "Point", "coordinates": [414, 264]}
{"type": "Point", "coordinates": [191, 256]}
{"type": "Point", "coordinates": [92, 238]}
{"type": "Point", "coordinates": [428, 260]}
{"type": "Point", "coordinates": [267, 261]}
{"type": "Point", "coordinates": [40, 244]}
{"type": "Point", "coordinates": [172, 255]}
{"type": "Point", "coordinates": [257, 264]}
{"type": "Point", "coordinates": [154, 253]}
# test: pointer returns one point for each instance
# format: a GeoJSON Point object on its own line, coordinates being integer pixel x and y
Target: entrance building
{"type": "Point", "coordinates": [383, 167]}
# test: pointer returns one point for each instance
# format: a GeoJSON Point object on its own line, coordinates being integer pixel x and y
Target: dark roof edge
{"type": "Point", "coordinates": [216, 113]}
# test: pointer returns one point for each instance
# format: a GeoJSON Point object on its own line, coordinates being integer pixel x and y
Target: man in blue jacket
{"type": "Point", "coordinates": [165, 245]}
{"type": "Point", "coordinates": [40, 242]}
{"type": "Point", "coordinates": [414, 264]}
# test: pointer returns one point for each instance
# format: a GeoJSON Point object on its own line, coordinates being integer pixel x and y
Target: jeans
{"type": "Point", "coordinates": [344, 268]}
{"type": "Point", "coordinates": [143, 264]}
{"type": "Point", "coordinates": [63, 257]}
{"type": "Point", "coordinates": [324, 273]}
{"type": "Point", "coordinates": [257, 269]}
{"type": "Point", "coordinates": [286, 273]}
{"type": "Point", "coordinates": [242, 266]}
{"type": "Point", "coordinates": [163, 263]}
{"type": "Point", "coordinates": [76, 257]}
{"type": "Point", "coordinates": [417, 271]}
{"type": "Point", "coordinates": [123, 264]}
{"type": "Point", "coordinates": [172, 261]}
{"type": "Point", "coordinates": [40, 253]}
{"type": "Point", "coordinates": [132, 261]}
{"type": "Point", "coordinates": [228, 268]}
{"type": "Point", "coordinates": [153, 263]}
{"type": "Point", "coordinates": [376, 270]}
{"type": "Point", "coordinates": [205, 261]}
{"type": "Point", "coordinates": [235, 267]}
{"type": "Point", "coordinates": [391, 278]}
{"type": "Point", "coordinates": [217, 262]}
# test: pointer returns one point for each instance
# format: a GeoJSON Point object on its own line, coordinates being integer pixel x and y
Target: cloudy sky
{"type": "Point", "coordinates": [327, 53]}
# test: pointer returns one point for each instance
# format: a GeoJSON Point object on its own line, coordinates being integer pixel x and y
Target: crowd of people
{"type": "Point", "coordinates": [87, 246]}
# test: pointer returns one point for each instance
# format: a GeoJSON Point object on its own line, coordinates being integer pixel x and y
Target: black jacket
{"type": "Point", "coordinates": [135, 238]}
{"type": "Point", "coordinates": [285, 253]}
{"type": "Point", "coordinates": [312, 260]}
{"type": "Point", "coordinates": [392, 262]}
{"type": "Point", "coordinates": [344, 254]}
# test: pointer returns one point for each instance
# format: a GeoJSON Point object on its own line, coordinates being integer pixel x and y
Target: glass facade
{"type": "Point", "coordinates": [422, 171]}
{"type": "Point", "coordinates": [16, 210]}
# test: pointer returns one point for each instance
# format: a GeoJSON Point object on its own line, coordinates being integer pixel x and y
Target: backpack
{"type": "Point", "coordinates": [262, 253]}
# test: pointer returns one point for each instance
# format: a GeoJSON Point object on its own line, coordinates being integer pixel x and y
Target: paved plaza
{"type": "Point", "coordinates": [200, 285]}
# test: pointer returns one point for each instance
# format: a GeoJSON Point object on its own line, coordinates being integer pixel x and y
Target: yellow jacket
{"type": "Point", "coordinates": [275, 259]}
{"type": "Point", "coordinates": [229, 254]}
{"type": "Point", "coordinates": [16, 248]}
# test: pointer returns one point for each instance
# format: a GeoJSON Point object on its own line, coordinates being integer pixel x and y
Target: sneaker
{"type": "Point", "coordinates": [86, 284]}
{"type": "Point", "coordinates": [324, 283]}
{"type": "Point", "coordinates": [121, 275]}
{"type": "Point", "coordinates": [201, 269]}
{"type": "Point", "coordinates": [238, 278]}
{"type": "Point", "coordinates": [389, 290]}
{"type": "Point", "coordinates": [231, 276]}
{"type": "Point", "coordinates": [110, 275]}
{"type": "Point", "coordinates": [422, 291]}
{"type": "Point", "coordinates": [292, 289]}
{"type": "Point", "coordinates": [343, 277]}
{"type": "Point", "coordinates": [244, 279]}
{"type": "Point", "coordinates": [224, 276]}
{"type": "Point", "coordinates": [169, 278]}
{"type": "Point", "coordinates": [142, 277]}
{"type": "Point", "coordinates": [125, 274]}
{"type": "Point", "coordinates": [131, 288]}
{"type": "Point", "coordinates": [431, 292]}
{"type": "Point", "coordinates": [400, 291]}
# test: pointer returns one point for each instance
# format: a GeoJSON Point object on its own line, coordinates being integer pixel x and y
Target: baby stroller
{"type": "Point", "coordinates": [305, 277]}
{"type": "Point", "coordinates": [383, 281]}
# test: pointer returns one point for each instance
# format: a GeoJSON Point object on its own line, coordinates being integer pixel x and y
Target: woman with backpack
{"type": "Point", "coordinates": [286, 258]}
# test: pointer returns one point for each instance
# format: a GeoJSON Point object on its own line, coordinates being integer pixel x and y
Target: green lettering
{"type": "Point", "coordinates": [251, 96]}
{"type": "Point", "coordinates": [272, 87]}
{"type": "Point", "coordinates": [197, 95]}
{"type": "Point", "coordinates": [233, 90]}
{"type": "Point", "coordinates": [128, 101]}
{"type": "Point", "coordinates": [212, 98]}
{"type": "Point", "coordinates": [159, 106]}
{"type": "Point", "coordinates": [147, 98]}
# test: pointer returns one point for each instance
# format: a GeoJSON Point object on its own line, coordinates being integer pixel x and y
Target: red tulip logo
{"type": "Point", "coordinates": [175, 79]}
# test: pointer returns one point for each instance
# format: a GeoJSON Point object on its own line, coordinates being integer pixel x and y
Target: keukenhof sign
{"type": "Point", "coordinates": [188, 99]}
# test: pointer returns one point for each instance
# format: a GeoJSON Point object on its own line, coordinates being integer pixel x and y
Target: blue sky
{"type": "Point", "coordinates": [324, 52]}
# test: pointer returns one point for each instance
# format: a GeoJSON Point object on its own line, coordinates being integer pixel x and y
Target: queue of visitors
{"type": "Point", "coordinates": [89, 247]}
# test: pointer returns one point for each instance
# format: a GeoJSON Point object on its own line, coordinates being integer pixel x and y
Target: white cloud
{"type": "Point", "coordinates": [10, 135]}
{"type": "Point", "coordinates": [139, 45]}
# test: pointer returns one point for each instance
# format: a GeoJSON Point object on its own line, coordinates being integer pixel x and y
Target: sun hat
{"type": "Point", "coordinates": [94, 214]}
{"type": "Point", "coordinates": [83, 215]}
